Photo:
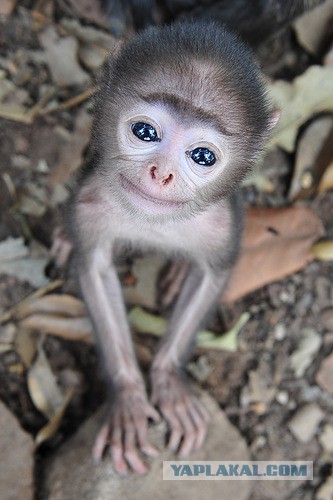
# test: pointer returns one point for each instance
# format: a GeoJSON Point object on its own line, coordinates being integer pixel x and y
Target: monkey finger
{"type": "Point", "coordinates": [131, 453]}
{"type": "Point", "coordinates": [117, 452]}
{"type": "Point", "coordinates": [101, 441]}
{"type": "Point", "coordinates": [190, 435]}
{"type": "Point", "coordinates": [176, 431]}
{"type": "Point", "coordinates": [200, 425]}
{"type": "Point", "coordinates": [202, 410]}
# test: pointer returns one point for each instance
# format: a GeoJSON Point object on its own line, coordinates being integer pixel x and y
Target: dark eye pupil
{"type": "Point", "coordinates": [144, 131]}
{"type": "Point", "coordinates": [203, 156]}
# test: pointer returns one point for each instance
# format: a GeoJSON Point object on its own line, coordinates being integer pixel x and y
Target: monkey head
{"type": "Point", "coordinates": [181, 116]}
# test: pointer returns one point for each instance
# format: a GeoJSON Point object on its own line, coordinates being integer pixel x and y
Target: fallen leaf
{"type": "Point", "coordinates": [61, 55]}
{"type": "Point", "coordinates": [49, 430]}
{"type": "Point", "coordinates": [17, 465]}
{"type": "Point", "coordinates": [7, 7]}
{"type": "Point", "coordinates": [146, 271]}
{"type": "Point", "coordinates": [88, 10]}
{"type": "Point", "coordinates": [306, 351]}
{"type": "Point", "coordinates": [26, 346]}
{"type": "Point", "coordinates": [18, 260]}
{"type": "Point", "coordinates": [143, 322]}
{"type": "Point", "coordinates": [61, 304]}
{"type": "Point", "coordinates": [13, 311]}
{"type": "Point", "coordinates": [323, 250]}
{"type": "Point", "coordinates": [68, 328]}
{"type": "Point", "coordinates": [309, 94]}
{"type": "Point", "coordinates": [276, 243]}
{"type": "Point", "coordinates": [43, 388]}
{"type": "Point", "coordinates": [72, 153]}
{"type": "Point", "coordinates": [314, 152]}
{"type": "Point", "coordinates": [326, 182]}
{"type": "Point", "coordinates": [89, 35]}
{"type": "Point", "coordinates": [312, 27]}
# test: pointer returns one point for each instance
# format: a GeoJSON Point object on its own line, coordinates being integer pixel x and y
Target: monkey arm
{"type": "Point", "coordinates": [185, 415]}
{"type": "Point", "coordinates": [129, 409]}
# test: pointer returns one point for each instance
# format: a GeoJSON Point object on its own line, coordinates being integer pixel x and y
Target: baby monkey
{"type": "Point", "coordinates": [181, 115]}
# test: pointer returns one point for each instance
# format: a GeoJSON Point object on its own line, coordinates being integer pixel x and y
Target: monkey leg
{"type": "Point", "coordinates": [125, 428]}
{"type": "Point", "coordinates": [182, 410]}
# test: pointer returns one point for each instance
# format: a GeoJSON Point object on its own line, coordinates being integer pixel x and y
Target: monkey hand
{"type": "Point", "coordinates": [182, 410]}
{"type": "Point", "coordinates": [125, 430]}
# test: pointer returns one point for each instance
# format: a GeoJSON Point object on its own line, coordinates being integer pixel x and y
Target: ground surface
{"type": "Point", "coordinates": [279, 379]}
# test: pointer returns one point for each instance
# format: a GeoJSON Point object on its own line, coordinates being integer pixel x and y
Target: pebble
{"type": "Point", "coordinates": [326, 438]}
{"type": "Point", "coordinates": [282, 397]}
{"type": "Point", "coordinates": [280, 332]}
{"type": "Point", "coordinates": [305, 422]}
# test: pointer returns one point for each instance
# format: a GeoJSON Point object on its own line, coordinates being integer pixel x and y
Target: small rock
{"type": "Point", "coordinates": [325, 492]}
{"type": "Point", "coordinates": [282, 397]}
{"type": "Point", "coordinates": [280, 332]}
{"type": "Point", "coordinates": [201, 369]}
{"type": "Point", "coordinates": [304, 423]}
{"type": "Point", "coordinates": [306, 351]}
{"type": "Point", "coordinates": [326, 438]}
{"type": "Point", "coordinates": [324, 376]}
{"type": "Point", "coordinates": [17, 463]}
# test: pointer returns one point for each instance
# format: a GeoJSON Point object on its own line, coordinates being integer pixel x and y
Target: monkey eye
{"type": "Point", "coordinates": [203, 156]}
{"type": "Point", "coordinates": [145, 132]}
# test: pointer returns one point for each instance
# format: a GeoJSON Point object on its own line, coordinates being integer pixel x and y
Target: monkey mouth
{"type": "Point", "coordinates": [147, 202]}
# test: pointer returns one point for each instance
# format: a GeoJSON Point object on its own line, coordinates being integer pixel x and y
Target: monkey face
{"type": "Point", "coordinates": [165, 160]}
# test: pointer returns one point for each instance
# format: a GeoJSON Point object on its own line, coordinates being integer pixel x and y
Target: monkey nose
{"type": "Point", "coordinates": [160, 177]}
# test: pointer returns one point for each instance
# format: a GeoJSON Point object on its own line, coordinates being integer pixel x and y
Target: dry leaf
{"type": "Point", "coordinates": [326, 182]}
{"type": "Point", "coordinates": [18, 260]}
{"type": "Point", "coordinates": [72, 152]}
{"type": "Point", "coordinates": [276, 243]}
{"type": "Point", "coordinates": [309, 94]}
{"type": "Point", "coordinates": [61, 55]}
{"type": "Point", "coordinates": [143, 322]}
{"type": "Point", "coordinates": [68, 328]}
{"type": "Point", "coordinates": [323, 250]}
{"type": "Point", "coordinates": [26, 346]}
{"type": "Point", "coordinates": [49, 430]}
{"type": "Point", "coordinates": [7, 7]}
{"type": "Point", "coordinates": [55, 304]}
{"type": "Point", "coordinates": [314, 152]}
{"type": "Point", "coordinates": [312, 27]}
{"type": "Point", "coordinates": [43, 388]}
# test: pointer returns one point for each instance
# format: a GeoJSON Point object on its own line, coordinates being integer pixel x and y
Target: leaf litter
{"type": "Point", "coordinates": [286, 234]}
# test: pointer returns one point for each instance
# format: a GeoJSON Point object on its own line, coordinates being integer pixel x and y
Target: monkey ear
{"type": "Point", "coordinates": [274, 118]}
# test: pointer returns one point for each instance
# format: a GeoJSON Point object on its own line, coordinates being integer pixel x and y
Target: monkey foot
{"type": "Point", "coordinates": [125, 432]}
{"type": "Point", "coordinates": [182, 410]}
